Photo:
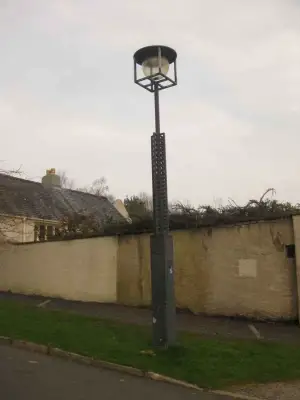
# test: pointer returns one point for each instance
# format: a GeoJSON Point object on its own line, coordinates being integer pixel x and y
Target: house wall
{"type": "Point", "coordinates": [237, 270]}
{"type": "Point", "coordinates": [16, 229]}
{"type": "Point", "coordinates": [75, 270]}
{"type": "Point", "coordinates": [29, 231]}
{"type": "Point", "coordinates": [119, 205]}
{"type": "Point", "coordinates": [20, 229]}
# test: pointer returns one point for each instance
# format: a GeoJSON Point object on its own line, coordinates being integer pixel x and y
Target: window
{"type": "Point", "coordinates": [42, 233]}
{"type": "Point", "coordinates": [36, 233]}
{"type": "Point", "coordinates": [290, 251]}
{"type": "Point", "coordinates": [49, 232]}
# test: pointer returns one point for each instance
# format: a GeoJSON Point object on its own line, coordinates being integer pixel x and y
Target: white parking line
{"type": "Point", "coordinates": [255, 331]}
{"type": "Point", "coordinates": [43, 303]}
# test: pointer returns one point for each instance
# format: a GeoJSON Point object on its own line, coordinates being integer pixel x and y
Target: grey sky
{"type": "Point", "coordinates": [68, 101]}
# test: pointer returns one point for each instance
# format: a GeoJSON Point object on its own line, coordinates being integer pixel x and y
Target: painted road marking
{"type": "Point", "coordinates": [255, 331]}
{"type": "Point", "coordinates": [43, 303]}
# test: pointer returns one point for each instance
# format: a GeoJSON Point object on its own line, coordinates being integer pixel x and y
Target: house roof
{"type": "Point", "coordinates": [20, 197]}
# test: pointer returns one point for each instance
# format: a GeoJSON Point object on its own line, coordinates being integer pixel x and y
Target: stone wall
{"type": "Point", "coordinates": [76, 270]}
{"type": "Point", "coordinates": [234, 270]}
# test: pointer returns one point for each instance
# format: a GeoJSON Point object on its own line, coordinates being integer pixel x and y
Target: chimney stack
{"type": "Point", "coordinates": [51, 180]}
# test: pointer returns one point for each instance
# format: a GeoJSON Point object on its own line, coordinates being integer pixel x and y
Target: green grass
{"type": "Point", "coordinates": [211, 363]}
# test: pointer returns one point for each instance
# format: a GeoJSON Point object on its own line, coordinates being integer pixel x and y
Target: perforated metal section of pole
{"type": "Point", "coordinates": [159, 183]}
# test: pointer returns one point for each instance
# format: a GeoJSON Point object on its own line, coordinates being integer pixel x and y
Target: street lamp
{"type": "Point", "coordinates": [152, 66]}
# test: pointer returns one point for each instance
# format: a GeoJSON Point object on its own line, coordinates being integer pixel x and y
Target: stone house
{"type": "Point", "coordinates": [32, 211]}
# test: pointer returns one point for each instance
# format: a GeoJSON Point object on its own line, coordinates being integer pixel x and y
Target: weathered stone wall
{"type": "Point", "coordinates": [236, 270]}
{"type": "Point", "coordinates": [77, 269]}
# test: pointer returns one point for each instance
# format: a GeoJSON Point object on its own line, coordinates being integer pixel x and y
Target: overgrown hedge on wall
{"type": "Point", "coordinates": [189, 218]}
{"type": "Point", "coordinates": [180, 217]}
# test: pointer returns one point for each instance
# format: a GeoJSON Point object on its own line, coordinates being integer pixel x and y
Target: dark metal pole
{"type": "Point", "coordinates": [156, 108]}
{"type": "Point", "coordinates": [162, 272]}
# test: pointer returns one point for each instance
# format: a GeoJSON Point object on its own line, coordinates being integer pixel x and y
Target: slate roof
{"type": "Point", "coordinates": [20, 197]}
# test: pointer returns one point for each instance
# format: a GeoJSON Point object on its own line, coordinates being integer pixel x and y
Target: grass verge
{"type": "Point", "coordinates": [210, 363]}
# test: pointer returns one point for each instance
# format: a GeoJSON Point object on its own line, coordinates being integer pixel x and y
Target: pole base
{"type": "Point", "coordinates": [163, 298]}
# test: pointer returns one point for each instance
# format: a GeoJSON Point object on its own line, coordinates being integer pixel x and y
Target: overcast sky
{"type": "Point", "coordinates": [68, 101]}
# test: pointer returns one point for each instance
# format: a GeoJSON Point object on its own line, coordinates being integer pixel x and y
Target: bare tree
{"type": "Point", "coordinates": [65, 181]}
{"type": "Point", "coordinates": [99, 187]}
{"type": "Point", "coordinates": [13, 172]}
{"type": "Point", "coordinates": [147, 200]}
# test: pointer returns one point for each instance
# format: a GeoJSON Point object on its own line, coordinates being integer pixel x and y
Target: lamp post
{"type": "Point", "coordinates": [154, 63]}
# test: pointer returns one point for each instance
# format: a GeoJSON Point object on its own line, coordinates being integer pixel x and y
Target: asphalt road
{"type": "Point", "coordinates": [26, 375]}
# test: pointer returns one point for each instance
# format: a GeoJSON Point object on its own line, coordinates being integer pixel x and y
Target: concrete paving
{"type": "Point", "coordinates": [26, 375]}
{"type": "Point", "coordinates": [207, 326]}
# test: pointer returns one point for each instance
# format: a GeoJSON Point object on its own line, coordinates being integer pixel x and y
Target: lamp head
{"type": "Point", "coordinates": [155, 63]}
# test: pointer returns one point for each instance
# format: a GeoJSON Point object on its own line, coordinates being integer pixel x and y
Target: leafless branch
{"type": "Point", "coordinates": [272, 190]}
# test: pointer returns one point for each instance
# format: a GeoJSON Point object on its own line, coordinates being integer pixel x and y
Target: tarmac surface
{"type": "Point", "coordinates": [284, 332]}
{"type": "Point", "coordinates": [26, 375]}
